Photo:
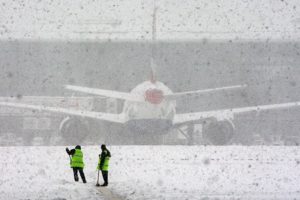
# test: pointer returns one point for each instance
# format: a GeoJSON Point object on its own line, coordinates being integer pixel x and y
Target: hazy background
{"type": "Point", "coordinates": [199, 45]}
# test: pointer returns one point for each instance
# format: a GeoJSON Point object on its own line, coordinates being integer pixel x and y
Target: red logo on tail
{"type": "Point", "coordinates": [154, 96]}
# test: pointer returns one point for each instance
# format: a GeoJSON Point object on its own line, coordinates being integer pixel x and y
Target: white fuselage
{"type": "Point", "coordinates": [164, 109]}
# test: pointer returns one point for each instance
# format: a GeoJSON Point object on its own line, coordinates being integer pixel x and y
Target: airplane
{"type": "Point", "coordinates": [149, 112]}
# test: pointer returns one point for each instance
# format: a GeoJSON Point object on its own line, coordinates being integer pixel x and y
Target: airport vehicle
{"type": "Point", "coordinates": [25, 127]}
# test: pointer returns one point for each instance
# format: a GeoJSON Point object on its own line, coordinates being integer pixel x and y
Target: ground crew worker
{"type": "Point", "coordinates": [104, 163]}
{"type": "Point", "coordinates": [76, 162]}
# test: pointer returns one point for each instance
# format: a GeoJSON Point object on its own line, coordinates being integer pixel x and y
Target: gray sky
{"type": "Point", "coordinates": [132, 20]}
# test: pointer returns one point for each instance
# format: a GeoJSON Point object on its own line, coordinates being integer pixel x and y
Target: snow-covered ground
{"type": "Point", "coordinates": [155, 172]}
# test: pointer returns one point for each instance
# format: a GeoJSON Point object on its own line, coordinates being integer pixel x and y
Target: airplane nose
{"type": "Point", "coordinates": [154, 96]}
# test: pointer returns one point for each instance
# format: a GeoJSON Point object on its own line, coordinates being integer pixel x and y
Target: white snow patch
{"type": "Point", "coordinates": [155, 172]}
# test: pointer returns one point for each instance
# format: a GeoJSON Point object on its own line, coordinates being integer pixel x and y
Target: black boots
{"type": "Point", "coordinates": [77, 179]}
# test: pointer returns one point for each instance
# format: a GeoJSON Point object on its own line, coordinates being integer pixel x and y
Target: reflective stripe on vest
{"type": "Point", "coordinates": [77, 159]}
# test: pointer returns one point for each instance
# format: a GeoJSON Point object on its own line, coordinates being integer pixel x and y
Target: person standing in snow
{"type": "Point", "coordinates": [76, 162]}
{"type": "Point", "coordinates": [104, 163]}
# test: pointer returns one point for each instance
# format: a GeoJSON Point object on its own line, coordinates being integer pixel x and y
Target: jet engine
{"type": "Point", "coordinates": [74, 130]}
{"type": "Point", "coordinates": [218, 132]}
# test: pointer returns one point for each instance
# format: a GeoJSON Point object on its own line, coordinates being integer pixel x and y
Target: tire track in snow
{"type": "Point", "coordinates": [108, 194]}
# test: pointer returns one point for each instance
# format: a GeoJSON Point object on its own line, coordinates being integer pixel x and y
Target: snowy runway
{"type": "Point", "coordinates": [155, 172]}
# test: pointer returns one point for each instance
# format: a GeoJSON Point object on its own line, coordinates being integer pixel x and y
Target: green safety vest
{"type": "Point", "coordinates": [77, 159]}
{"type": "Point", "coordinates": [105, 165]}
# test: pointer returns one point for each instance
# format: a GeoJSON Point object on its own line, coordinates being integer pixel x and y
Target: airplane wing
{"type": "Point", "coordinates": [118, 118]}
{"type": "Point", "coordinates": [177, 95]}
{"type": "Point", "coordinates": [106, 93]}
{"type": "Point", "coordinates": [228, 113]}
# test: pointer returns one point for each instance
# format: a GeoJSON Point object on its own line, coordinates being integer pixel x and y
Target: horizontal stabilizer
{"type": "Point", "coordinates": [177, 95]}
{"type": "Point", "coordinates": [106, 93]}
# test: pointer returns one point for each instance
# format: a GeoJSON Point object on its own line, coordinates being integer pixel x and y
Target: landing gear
{"type": "Point", "coordinates": [189, 133]}
{"type": "Point", "coordinates": [208, 132]}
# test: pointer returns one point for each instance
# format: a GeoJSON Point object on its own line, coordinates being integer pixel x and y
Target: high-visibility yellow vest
{"type": "Point", "coordinates": [77, 159]}
{"type": "Point", "coordinates": [105, 165]}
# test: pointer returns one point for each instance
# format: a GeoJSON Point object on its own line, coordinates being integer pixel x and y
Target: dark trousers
{"type": "Point", "coordinates": [75, 171]}
{"type": "Point", "coordinates": [105, 176]}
